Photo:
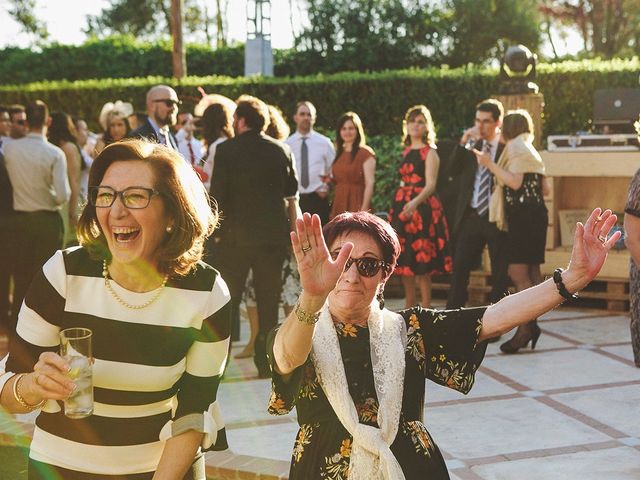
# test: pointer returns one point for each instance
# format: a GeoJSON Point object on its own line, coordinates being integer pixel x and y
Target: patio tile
{"type": "Point", "coordinates": [569, 368]}
{"type": "Point", "coordinates": [621, 463]}
{"type": "Point", "coordinates": [624, 351]}
{"type": "Point", "coordinates": [246, 401]}
{"type": "Point", "coordinates": [484, 386]}
{"type": "Point", "coordinates": [500, 427]}
{"type": "Point", "coordinates": [595, 331]}
{"type": "Point", "coordinates": [617, 407]}
{"type": "Point", "coordinates": [268, 441]}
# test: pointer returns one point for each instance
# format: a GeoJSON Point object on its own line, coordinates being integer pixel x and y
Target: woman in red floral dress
{"type": "Point", "coordinates": [417, 215]}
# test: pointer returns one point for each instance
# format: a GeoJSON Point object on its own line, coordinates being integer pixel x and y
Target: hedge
{"type": "Point", "coordinates": [380, 98]}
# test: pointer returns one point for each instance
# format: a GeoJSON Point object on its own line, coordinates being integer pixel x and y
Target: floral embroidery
{"type": "Point", "coordinates": [277, 405]}
{"type": "Point", "coordinates": [368, 411]}
{"type": "Point", "coordinates": [303, 438]}
{"type": "Point", "coordinates": [415, 343]}
{"type": "Point", "coordinates": [419, 437]}
{"type": "Point", "coordinates": [310, 384]}
{"type": "Point", "coordinates": [336, 467]}
{"type": "Point", "coordinates": [346, 330]}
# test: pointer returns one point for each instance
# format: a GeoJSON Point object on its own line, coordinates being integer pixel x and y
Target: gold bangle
{"type": "Point", "coordinates": [305, 317]}
{"type": "Point", "coordinates": [20, 399]}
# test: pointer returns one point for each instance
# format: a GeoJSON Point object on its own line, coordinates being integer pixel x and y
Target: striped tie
{"type": "Point", "coordinates": [484, 189]}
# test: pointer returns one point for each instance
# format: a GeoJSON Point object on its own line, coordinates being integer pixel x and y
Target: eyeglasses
{"type": "Point", "coordinates": [366, 266]}
{"type": "Point", "coordinates": [169, 102]}
{"type": "Point", "coordinates": [132, 197]}
{"type": "Point", "coordinates": [20, 122]}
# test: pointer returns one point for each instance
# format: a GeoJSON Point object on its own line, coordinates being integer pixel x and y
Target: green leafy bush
{"type": "Point", "coordinates": [380, 98]}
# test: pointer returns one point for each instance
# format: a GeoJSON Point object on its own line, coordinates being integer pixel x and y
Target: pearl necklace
{"type": "Point", "coordinates": [105, 274]}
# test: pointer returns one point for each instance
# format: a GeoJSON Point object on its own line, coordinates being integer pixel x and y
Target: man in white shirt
{"type": "Point", "coordinates": [188, 145]}
{"type": "Point", "coordinates": [314, 154]}
{"type": "Point", "coordinates": [38, 174]}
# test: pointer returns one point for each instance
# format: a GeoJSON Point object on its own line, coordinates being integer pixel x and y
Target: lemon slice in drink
{"type": "Point", "coordinates": [74, 373]}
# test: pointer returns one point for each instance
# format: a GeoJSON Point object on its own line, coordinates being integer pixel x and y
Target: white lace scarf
{"type": "Point", "coordinates": [371, 457]}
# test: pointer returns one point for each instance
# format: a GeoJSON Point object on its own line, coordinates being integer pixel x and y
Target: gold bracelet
{"type": "Point", "coordinates": [305, 317]}
{"type": "Point", "coordinates": [19, 398]}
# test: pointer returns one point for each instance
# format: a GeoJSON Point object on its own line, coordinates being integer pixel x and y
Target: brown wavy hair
{"type": "Point", "coordinates": [278, 127]}
{"type": "Point", "coordinates": [360, 138]}
{"type": "Point", "coordinates": [413, 112]}
{"type": "Point", "coordinates": [185, 199]}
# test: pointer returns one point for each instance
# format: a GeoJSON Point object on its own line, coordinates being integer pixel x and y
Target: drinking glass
{"type": "Point", "coordinates": [75, 348]}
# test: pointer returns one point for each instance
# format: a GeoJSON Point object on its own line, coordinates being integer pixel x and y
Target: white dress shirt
{"type": "Point", "coordinates": [38, 174]}
{"type": "Point", "coordinates": [183, 147]}
{"type": "Point", "coordinates": [321, 155]}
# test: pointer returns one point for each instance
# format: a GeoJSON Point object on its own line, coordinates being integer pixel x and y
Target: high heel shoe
{"type": "Point", "coordinates": [525, 334]}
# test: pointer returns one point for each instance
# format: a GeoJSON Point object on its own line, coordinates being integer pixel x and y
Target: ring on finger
{"type": "Point", "coordinates": [306, 248]}
{"type": "Point", "coordinates": [602, 238]}
{"type": "Point", "coordinates": [37, 379]}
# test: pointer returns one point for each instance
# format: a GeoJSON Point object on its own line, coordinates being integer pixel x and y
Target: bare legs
{"type": "Point", "coordinates": [523, 276]}
{"type": "Point", "coordinates": [247, 351]}
{"type": "Point", "coordinates": [409, 284]}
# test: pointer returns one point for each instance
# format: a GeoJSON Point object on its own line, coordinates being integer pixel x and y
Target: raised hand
{"type": "Point", "coordinates": [592, 243]}
{"type": "Point", "coordinates": [318, 272]}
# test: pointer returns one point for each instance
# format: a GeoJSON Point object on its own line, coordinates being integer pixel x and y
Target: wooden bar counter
{"type": "Point", "coordinates": [585, 180]}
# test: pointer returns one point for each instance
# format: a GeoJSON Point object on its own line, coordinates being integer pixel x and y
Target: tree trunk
{"type": "Point", "coordinates": [221, 40]}
{"type": "Point", "coordinates": [178, 55]}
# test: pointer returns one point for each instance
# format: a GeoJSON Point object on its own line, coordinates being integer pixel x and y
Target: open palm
{"type": "Point", "coordinates": [592, 243]}
{"type": "Point", "coordinates": [319, 273]}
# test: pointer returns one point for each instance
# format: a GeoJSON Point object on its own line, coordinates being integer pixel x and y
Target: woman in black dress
{"type": "Point", "coordinates": [355, 371]}
{"type": "Point", "coordinates": [417, 215]}
{"type": "Point", "coordinates": [517, 206]}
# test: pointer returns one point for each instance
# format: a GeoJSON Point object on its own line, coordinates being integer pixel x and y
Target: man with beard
{"type": "Point", "coordinates": [162, 113]}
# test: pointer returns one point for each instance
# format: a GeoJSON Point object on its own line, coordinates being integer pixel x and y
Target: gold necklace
{"type": "Point", "coordinates": [107, 283]}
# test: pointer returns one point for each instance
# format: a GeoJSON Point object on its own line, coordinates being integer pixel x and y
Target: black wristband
{"type": "Point", "coordinates": [562, 290]}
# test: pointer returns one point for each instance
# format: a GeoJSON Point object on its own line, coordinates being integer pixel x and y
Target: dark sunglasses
{"type": "Point", "coordinates": [168, 102]}
{"type": "Point", "coordinates": [366, 266]}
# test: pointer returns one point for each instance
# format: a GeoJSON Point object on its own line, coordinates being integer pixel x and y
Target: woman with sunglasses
{"type": "Point", "coordinates": [160, 320]}
{"type": "Point", "coordinates": [355, 371]}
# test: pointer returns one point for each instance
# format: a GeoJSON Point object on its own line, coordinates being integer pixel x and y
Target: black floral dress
{"type": "Point", "coordinates": [632, 207]}
{"type": "Point", "coordinates": [424, 237]}
{"type": "Point", "coordinates": [441, 347]}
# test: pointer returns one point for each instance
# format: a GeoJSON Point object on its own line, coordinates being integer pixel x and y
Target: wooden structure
{"type": "Point", "coordinates": [532, 103]}
{"type": "Point", "coordinates": [586, 180]}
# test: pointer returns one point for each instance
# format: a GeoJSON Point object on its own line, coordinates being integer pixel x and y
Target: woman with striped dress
{"type": "Point", "coordinates": [160, 320]}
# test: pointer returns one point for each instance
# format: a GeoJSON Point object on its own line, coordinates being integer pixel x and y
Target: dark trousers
{"type": "Point", "coordinates": [475, 232]}
{"type": "Point", "coordinates": [7, 261]}
{"type": "Point", "coordinates": [234, 262]}
{"type": "Point", "coordinates": [313, 203]}
{"type": "Point", "coordinates": [38, 236]}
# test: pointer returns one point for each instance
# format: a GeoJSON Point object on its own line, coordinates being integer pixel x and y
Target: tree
{"type": "Point", "coordinates": [151, 19]}
{"type": "Point", "coordinates": [372, 34]}
{"type": "Point", "coordinates": [178, 54]}
{"type": "Point", "coordinates": [481, 30]}
{"type": "Point", "coordinates": [608, 28]}
{"type": "Point", "coordinates": [22, 12]}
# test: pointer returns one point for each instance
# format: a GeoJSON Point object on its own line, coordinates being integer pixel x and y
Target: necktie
{"type": "Point", "coordinates": [304, 164]}
{"type": "Point", "coordinates": [484, 189]}
{"type": "Point", "coordinates": [163, 138]}
{"type": "Point", "coordinates": [191, 154]}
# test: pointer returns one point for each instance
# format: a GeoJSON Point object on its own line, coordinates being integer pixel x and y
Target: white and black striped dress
{"type": "Point", "coordinates": [156, 370]}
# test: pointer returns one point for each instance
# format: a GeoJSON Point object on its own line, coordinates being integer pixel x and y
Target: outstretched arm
{"type": "Point", "coordinates": [590, 248]}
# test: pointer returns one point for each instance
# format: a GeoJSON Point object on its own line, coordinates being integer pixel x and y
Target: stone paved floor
{"type": "Point", "coordinates": [569, 410]}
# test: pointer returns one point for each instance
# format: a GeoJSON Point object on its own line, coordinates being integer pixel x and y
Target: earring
{"type": "Point", "coordinates": [380, 298]}
{"type": "Point", "coordinates": [169, 229]}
